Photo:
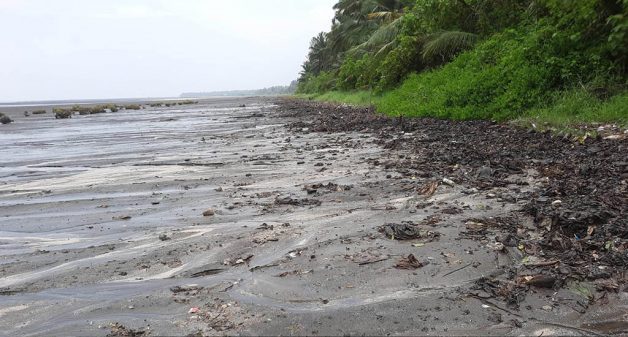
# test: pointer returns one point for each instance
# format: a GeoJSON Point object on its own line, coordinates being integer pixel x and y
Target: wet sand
{"type": "Point", "coordinates": [102, 231]}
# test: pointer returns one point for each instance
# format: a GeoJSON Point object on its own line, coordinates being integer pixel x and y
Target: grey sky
{"type": "Point", "coordinates": [65, 49]}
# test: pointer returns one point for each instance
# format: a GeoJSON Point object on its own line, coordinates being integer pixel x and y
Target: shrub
{"type": "Point", "coordinates": [325, 81]}
{"type": "Point", "coordinates": [111, 107]}
{"type": "Point", "coordinates": [39, 112]}
{"type": "Point", "coordinates": [83, 110]}
{"type": "Point", "coordinates": [103, 108]}
{"type": "Point", "coordinates": [348, 74]}
{"type": "Point", "coordinates": [97, 110]}
{"type": "Point", "coordinates": [504, 77]}
{"type": "Point", "coordinates": [79, 108]}
{"type": "Point", "coordinates": [5, 119]}
{"type": "Point", "coordinates": [481, 59]}
{"type": "Point", "coordinates": [62, 113]}
{"type": "Point", "coordinates": [169, 104]}
{"type": "Point", "coordinates": [400, 62]}
{"type": "Point", "coordinates": [132, 107]}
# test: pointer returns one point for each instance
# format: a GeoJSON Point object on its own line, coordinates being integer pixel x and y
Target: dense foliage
{"type": "Point", "coordinates": [470, 59]}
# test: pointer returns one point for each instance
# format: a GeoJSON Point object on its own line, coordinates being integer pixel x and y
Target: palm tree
{"type": "Point", "coordinates": [365, 25]}
{"type": "Point", "coordinates": [319, 57]}
{"type": "Point", "coordinates": [358, 26]}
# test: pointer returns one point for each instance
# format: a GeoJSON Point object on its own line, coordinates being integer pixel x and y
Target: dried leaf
{"type": "Point", "coordinates": [429, 189]}
{"type": "Point", "coordinates": [410, 262]}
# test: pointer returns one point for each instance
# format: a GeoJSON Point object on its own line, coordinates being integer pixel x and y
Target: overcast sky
{"type": "Point", "coordinates": [65, 49]}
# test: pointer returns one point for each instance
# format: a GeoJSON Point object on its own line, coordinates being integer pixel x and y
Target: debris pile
{"type": "Point", "coordinates": [571, 192]}
{"type": "Point", "coordinates": [329, 187]}
{"type": "Point", "coordinates": [288, 200]}
{"type": "Point", "coordinates": [407, 230]}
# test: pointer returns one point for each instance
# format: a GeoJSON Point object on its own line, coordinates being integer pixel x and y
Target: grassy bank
{"type": "Point", "coordinates": [577, 107]}
{"type": "Point", "coordinates": [358, 98]}
{"type": "Point", "coordinates": [512, 75]}
{"type": "Point", "coordinates": [549, 62]}
{"type": "Point", "coordinates": [569, 109]}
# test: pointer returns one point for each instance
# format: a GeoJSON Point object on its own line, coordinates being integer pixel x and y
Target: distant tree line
{"type": "Point", "coordinates": [270, 91]}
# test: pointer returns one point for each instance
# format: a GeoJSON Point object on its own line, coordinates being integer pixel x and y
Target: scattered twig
{"type": "Point", "coordinates": [373, 261]}
{"type": "Point", "coordinates": [459, 269]}
{"type": "Point", "coordinates": [542, 264]}
{"type": "Point", "coordinates": [264, 266]}
{"type": "Point", "coordinates": [228, 288]}
{"type": "Point", "coordinates": [487, 302]}
{"type": "Point", "coordinates": [559, 325]}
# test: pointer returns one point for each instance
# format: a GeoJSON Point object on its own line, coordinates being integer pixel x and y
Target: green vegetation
{"type": "Point", "coordinates": [61, 113]}
{"type": "Point", "coordinates": [552, 61]}
{"type": "Point", "coordinates": [82, 110]}
{"type": "Point", "coordinates": [579, 107]}
{"type": "Point", "coordinates": [87, 110]}
{"type": "Point", "coordinates": [187, 102]}
{"type": "Point", "coordinates": [173, 103]}
{"type": "Point", "coordinates": [132, 107]}
{"type": "Point", "coordinates": [104, 108]}
{"type": "Point", "coordinates": [278, 90]}
{"type": "Point", "coordinates": [39, 112]}
{"type": "Point", "coordinates": [359, 98]}
{"type": "Point", "coordinates": [97, 109]}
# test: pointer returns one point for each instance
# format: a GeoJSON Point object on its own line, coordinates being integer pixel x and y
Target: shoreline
{"type": "Point", "coordinates": [301, 195]}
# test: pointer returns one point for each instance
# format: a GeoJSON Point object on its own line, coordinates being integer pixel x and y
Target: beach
{"type": "Point", "coordinates": [243, 216]}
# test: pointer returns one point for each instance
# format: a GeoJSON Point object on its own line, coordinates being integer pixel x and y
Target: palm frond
{"type": "Point", "coordinates": [383, 39]}
{"type": "Point", "coordinates": [447, 44]}
{"type": "Point", "coordinates": [384, 16]}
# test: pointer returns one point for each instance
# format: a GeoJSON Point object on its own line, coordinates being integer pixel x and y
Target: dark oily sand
{"type": "Point", "coordinates": [102, 232]}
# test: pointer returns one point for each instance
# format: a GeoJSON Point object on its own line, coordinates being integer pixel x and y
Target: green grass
{"type": "Point", "coordinates": [577, 107]}
{"type": "Point", "coordinates": [357, 98]}
{"type": "Point", "coordinates": [567, 111]}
